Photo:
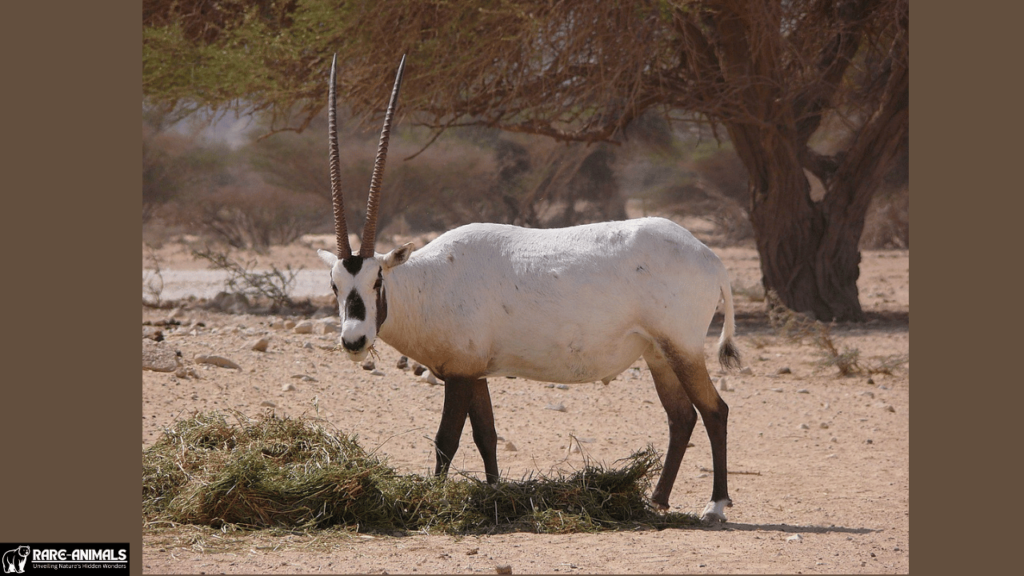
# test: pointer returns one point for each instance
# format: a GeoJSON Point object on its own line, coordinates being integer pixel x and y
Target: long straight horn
{"type": "Point", "coordinates": [372, 203]}
{"type": "Point", "coordinates": [340, 228]}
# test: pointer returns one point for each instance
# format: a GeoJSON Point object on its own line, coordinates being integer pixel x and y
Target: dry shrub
{"type": "Point", "coordinates": [256, 216]}
{"type": "Point", "coordinates": [271, 472]}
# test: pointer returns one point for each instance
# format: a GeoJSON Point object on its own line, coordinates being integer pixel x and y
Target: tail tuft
{"type": "Point", "coordinates": [728, 354]}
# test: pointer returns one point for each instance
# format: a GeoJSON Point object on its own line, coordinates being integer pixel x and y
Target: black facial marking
{"type": "Point", "coordinates": [335, 288]}
{"type": "Point", "coordinates": [353, 264]}
{"type": "Point", "coordinates": [382, 299]}
{"type": "Point", "coordinates": [354, 307]}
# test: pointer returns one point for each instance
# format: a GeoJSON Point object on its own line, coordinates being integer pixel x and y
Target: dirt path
{"type": "Point", "coordinates": [819, 464]}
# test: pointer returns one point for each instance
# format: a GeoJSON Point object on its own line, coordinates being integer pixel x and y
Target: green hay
{"type": "Point", "coordinates": [272, 472]}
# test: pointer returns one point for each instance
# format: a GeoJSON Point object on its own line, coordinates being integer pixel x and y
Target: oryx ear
{"type": "Point", "coordinates": [397, 256]}
{"type": "Point", "coordinates": [327, 257]}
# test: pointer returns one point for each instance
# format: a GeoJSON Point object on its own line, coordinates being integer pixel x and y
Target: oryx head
{"type": "Point", "coordinates": [358, 280]}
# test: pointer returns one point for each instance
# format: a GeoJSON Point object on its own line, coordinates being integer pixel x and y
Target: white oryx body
{"type": "Point", "coordinates": [560, 305]}
{"type": "Point", "coordinates": [565, 305]}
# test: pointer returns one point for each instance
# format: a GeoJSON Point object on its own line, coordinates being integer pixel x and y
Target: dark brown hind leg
{"type": "Point", "coordinates": [481, 416]}
{"type": "Point", "coordinates": [458, 395]}
{"type": "Point", "coordinates": [696, 382]}
{"type": "Point", "coordinates": [681, 420]}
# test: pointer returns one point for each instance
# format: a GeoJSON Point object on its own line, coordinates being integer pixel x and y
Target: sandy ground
{"type": "Point", "coordinates": [819, 463]}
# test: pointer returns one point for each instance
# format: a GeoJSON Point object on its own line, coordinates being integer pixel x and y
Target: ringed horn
{"type": "Point", "coordinates": [372, 203]}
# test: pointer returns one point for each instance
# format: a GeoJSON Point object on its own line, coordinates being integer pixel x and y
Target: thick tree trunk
{"type": "Point", "coordinates": [805, 249]}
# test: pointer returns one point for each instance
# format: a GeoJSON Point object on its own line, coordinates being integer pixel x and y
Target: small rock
{"type": "Point", "coordinates": [327, 326]}
{"type": "Point", "coordinates": [805, 427]}
{"type": "Point", "coordinates": [289, 324]}
{"type": "Point", "coordinates": [868, 393]}
{"type": "Point", "coordinates": [153, 333]}
{"type": "Point", "coordinates": [308, 345]}
{"type": "Point", "coordinates": [870, 441]}
{"type": "Point", "coordinates": [803, 391]}
{"type": "Point", "coordinates": [304, 377]}
{"type": "Point", "coordinates": [216, 361]}
{"type": "Point", "coordinates": [785, 370]}
{"type": "Point", "coordinates": [289, 387]}
{"type": "Point", "coordinates": [304, 327]}
{"type": "Point", "coordinates": [472, 551]}
{"type": "Point", "coordinates": [277, 324]}
{"type": "Point", "coordinates": [795, 538]}
{"type": "Point", "coordinates": [889, 408]}
{"type": "Point", "coordinates": [562, 387]}
{"type": "Point", "coordinates": [368, 364]}
{"type": "Point", "coordinates": [556, 407]}
{"type": "Point", "coordinates": [403, 363]}
{"type": "Point", "coordinates": [268, 403]}
{"type": "Point", "coordinates": [376, 372]}
{"type": "Point", "coordinates": [418, 369]}
{"type": "Point", "coordinates": [723, 385]}
{"type": "Point", "coordinates": [510, 447]}
{"type": "Point", "coordinates": [834, 440]}
{"type": "Point", "coordinates": [503, 569]}
{"type": "Point", "coordinates": [259, 344]}
{"type": "Point", "coordinates": [746, 370]}
{"type": "Point", "coordinates": [823, 425]}
{"type": "Point", "coordinates": [158, 357]}
{"type": "Point", "coordinates": [777, 390]}
{"type": "Point", "coordinates": [871, 380]}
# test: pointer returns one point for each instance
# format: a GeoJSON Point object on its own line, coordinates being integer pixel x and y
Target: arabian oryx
{"type": "Point", "coordinates": [565, 305]}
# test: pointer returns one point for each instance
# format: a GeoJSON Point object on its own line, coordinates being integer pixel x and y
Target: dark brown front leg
{"type": "Point", "coordinates": [458, 394]}
{"type": "Point", "coordinates": [481, 416]}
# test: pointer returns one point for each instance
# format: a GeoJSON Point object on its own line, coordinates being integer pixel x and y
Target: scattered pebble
{"type": "Point", "coordinates": [510, 447]}
{"type": "Point", "coordinates": [158, 357]}
{"type": "Point", "coordinates": [834, 440]}
{"type": "Point", "coordinates": [785, 370]}
{"type": "Point", "coordinates": [304, 327]}
{"type": "Point", "coordinates": [268, 403]}
{"type": "Point", "coordinates": [376, 372]}
{"type": "Point", "coordinates": [288, 387]}
{"type": "Point", "coordinates": [289, 324]}
{"type": "Point", "coordinates": [327, 326]}
{"type": "Point", "coordinates": [723, 385]}
{"type": "Point", "coordinates": [503, 569]}
{"type": "Point", "coordinates": [889, 408]}
{"type": "Point", "coordinates": [795, 538]}
{"type": "Point", "coordinates": [304, 377]}
{"type": "Point", "coordinates": [870, 441]}
{"type": "Point", "coordinates": [216, 361]}
{"type": "Point", "coordinates": [868, 393]}
{"type": "Point", "coordinates": [368, 364]}
{"type": "Point", "coordinates": [746, 370]}
{"type": "Point", "coordinates": [805, 427]}
{"type": "Point", "coordinates": [562, 387]}
{"type": "Point", "coordinates": [823, 425]}
{"type": "Point", "coordinates": [803, 391]}
{"type": "Point", "coordinates": [259, 344]}
{"type": "Point", "coordinates": [776, 389]}
{"type": "Point", "coordinates": [556, 407]}
{"type": "Point", "coordinates": [871, 380]}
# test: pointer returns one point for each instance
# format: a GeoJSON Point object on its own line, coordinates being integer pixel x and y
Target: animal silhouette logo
{"type": "Point", "coordinates": [14, 560]}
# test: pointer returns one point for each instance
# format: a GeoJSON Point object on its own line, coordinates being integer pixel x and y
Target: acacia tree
{"type": "Point", "coordinates": [770, 72]}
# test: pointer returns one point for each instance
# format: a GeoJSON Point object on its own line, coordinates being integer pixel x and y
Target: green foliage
{"type": "Point", "coordinates": [272, 472]}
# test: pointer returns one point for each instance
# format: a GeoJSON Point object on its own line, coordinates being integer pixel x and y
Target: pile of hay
{"type": "Point", "coordinates": [272, 472]}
